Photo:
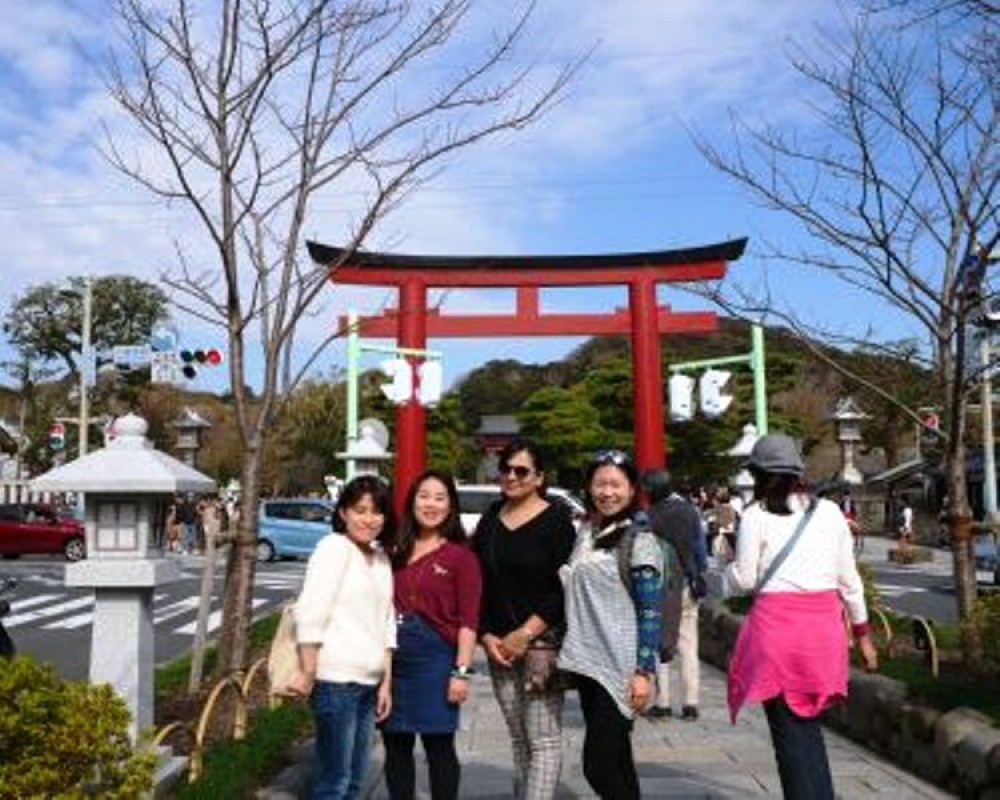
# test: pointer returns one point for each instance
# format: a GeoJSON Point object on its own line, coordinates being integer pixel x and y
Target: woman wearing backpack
{"type": "Point", "coordinates": [613, 583]}
{"type": "Point", "coordinates": [797, 558]}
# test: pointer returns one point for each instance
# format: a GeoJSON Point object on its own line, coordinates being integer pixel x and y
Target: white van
{"type": "Point", "coordinates": [475, 498]}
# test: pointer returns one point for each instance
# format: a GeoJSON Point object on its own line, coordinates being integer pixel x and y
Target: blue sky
{"type": "Point", "coordinates": [610, 169]}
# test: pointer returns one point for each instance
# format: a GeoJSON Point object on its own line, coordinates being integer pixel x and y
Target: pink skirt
{"type": "Point", "coordinates": [791, 644]}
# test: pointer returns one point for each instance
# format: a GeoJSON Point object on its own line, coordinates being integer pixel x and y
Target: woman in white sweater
{"type": "Point", "coordinates": [346, 629]}
{"type": "Point", "coordinates": [797, 558]}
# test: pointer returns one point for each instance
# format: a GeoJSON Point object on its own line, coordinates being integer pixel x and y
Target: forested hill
{"type": "Point", "coordinates": [803, 389]}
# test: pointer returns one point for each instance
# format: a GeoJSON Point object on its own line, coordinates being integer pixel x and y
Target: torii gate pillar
{"type": "Point", "coordinates": [411, 418]}
{"type": "Point", "coordinates": [647, 376]}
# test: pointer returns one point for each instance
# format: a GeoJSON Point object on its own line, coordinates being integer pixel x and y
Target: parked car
{"type": "Point", "coordinates": [475, 498]}
{"type": "Point", "coordinates": [33, 528]}
{"type": "Point", "coordinates": [985, 550]}
{"type": "Point", "coordinates": [291, 527]}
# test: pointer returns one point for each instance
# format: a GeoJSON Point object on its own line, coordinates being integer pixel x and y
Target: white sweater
{"type": "Point", "coordinates": [346, 607]}
{"type": "Point", "coordinates": [821, 560]}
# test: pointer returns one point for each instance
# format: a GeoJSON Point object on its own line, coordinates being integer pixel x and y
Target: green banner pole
{"type": "Point", "coordinates": [353, 364]}
{"type": "Point", "coordinates": [757, 364]}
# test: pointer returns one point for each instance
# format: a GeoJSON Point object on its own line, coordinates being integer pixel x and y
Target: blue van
{"type": "Point", "coordinates": [291, 526]}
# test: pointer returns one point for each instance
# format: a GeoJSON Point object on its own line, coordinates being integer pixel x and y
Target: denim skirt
{"type": "Point", "coordinates": [421, 671]}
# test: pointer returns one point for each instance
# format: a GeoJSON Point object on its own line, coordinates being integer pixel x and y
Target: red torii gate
{"type": "Point", "coordinates": [411, 322]}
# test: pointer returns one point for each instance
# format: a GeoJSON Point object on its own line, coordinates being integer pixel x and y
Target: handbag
{"type": "Point", "coordinates": [283, 665]}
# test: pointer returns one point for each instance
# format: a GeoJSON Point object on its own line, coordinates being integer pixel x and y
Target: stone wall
{"type": "Point", "coordinates": [958, 750]}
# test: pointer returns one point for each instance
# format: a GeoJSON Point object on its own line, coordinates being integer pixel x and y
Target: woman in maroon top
{"type": "Point", "coordinates": [437, 593]}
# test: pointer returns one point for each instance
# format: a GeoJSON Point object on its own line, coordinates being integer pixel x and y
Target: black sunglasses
{"type": "Point", "coordinates": [517, 470]}
{"type": "Point", "coordinates": [616, 457]}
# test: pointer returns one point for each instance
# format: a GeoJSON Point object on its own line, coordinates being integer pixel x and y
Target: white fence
{"type": "Point", "coordinates": [21, 492]}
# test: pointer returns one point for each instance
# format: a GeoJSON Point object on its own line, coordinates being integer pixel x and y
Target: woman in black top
{"type": "Point", "coordinates": [521, 542]}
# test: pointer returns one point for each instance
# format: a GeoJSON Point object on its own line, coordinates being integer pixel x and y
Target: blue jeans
{"type": "Point", "coordinates": [345, 723]}
{"type": "Point", "coordinates": [800, 752]}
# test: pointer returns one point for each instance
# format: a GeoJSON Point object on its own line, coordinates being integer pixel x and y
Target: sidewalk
{"type": "Point", "coordinates": [705, 759]}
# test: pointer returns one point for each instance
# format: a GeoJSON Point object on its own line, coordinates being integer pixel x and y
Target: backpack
{"type": "Point", "coordinates": [670, 521]}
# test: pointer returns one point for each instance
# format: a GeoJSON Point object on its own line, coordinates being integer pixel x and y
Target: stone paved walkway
{"type": "Point", "coordinates": [705, 759]}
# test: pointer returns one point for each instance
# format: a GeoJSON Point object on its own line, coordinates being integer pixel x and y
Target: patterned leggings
{"type": "Point", "coordinates": [535, 725]}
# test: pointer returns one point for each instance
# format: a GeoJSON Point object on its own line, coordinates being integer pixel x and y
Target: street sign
{"type": "Point", "coordinates": [88, 366]}
{"type": "Point", "coordinates": [131, 356]}
{"type": "Point", "coordinates": [164, 367]}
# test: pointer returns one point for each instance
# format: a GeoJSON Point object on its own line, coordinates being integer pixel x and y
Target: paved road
{"type": "Point", "coordinates": [53, 623]}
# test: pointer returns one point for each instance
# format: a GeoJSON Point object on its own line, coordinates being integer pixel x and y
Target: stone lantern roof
{"type": "Point", "coordinates": [128, 465]}
{"type": "Point", "coordinates": [847, 410]}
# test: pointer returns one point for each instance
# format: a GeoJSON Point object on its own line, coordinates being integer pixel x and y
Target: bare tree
{"type": "Point", "coordinates": [899, 200]}
{"type": "Point", "coordinates": [250, 108]}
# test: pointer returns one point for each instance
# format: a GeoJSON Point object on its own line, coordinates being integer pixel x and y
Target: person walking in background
{"type": "Point", "coordinates": [521, 543]}
{"type": "Point", "coordinates": [904, 525]}
{"type": "Point", "coordinates": [437, 597]}
{"type": "Point", "coordinates": [346, 630]}
{"type": "Point", "coordinates": [676, 521]}
{"type": "Point", "coordinates": [796, 557]}
{"type": "Point", "coordinates": [613, 584]}
{"type": "Point", "coordinates": [186, 515]}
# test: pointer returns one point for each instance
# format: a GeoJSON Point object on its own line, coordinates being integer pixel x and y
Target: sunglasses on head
{"type": "Point", "coordinates": [616, 457]}
{"type": "Point", "coordinates": [517, 470]}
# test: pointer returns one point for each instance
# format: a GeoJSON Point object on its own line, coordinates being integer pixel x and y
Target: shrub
{"type": "Point", "coordinates": [65, 739]}
{"type": "Point", "coordinates": [986, 618]}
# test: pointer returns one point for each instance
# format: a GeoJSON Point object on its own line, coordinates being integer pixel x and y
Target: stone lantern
{"type": "Point", "coordinates": [368, 451]}
{"type": "Point", "coordinates": [742, 482]}
{"type": "Point", "coordinates": [124, 483]}
{"type": "Point", "coordinates": [189, 425]}
{"type": "Point", "coordinates": [848, 417]}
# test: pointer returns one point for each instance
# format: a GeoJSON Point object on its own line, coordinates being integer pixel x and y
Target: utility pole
{"type": "Point", "coordinates": [989, 459]}
{"type": "Point", "coordinates": [86, 354]}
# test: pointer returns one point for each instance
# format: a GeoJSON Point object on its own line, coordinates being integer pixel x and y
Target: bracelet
{"type": "Point", "coordinates": [462, 672]}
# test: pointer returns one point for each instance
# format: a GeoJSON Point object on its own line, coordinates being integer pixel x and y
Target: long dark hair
{"type": "Point", "coordinates": [772, 489]}
{"type": "Point", "coordinates": [354, 492]}
{"type": "Point", "coordinates": [451, 528]}
{"type": "Point", "coordinates": [617, 459]}
{"type": "Point", "coordinates": [520, 445]}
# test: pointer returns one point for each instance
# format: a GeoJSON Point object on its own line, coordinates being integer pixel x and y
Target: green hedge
{"type": "Point", "coordinates": [65, 739]}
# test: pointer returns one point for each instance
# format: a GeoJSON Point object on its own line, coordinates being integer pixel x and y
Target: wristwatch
{"type": "Point", "coordinates": [462, 671]}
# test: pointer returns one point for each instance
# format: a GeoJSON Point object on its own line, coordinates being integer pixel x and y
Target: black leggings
{"type": "Point", "coordinates": [608, 764]}
{"type": "Point", "coordinates": [442, 765]}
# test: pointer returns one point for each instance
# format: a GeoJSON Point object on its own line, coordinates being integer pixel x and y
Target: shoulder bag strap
{"type": "Point", "coordinates": [787, 549]}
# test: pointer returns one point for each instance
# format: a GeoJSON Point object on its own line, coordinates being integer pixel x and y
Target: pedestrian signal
{"type": "Point", "coordinates": [712, 401]}
{"type": "Point", "coordinates": [681, 390]}
{"type": "Point", "coordinates": [57, 436]}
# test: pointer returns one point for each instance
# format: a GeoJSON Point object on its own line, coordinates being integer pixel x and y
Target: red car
{"type": "Point", "coordinates": [36, 528]}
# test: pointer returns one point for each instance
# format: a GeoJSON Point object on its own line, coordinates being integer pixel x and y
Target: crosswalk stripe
{"type": "Point", "coordinates": [20, 605]}
{"type": "Point", "coordinates": [214, 619]}
{"type": "Point", "coordinates": [175, 609]}
{"type": "Point", "coordinates": [49, 611]}
{"type": "Point", "coordinates": [81, 620]}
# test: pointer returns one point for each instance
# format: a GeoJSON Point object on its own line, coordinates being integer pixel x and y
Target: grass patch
{"type": "Point", "coordinates": [235, 769]}
{"type": "Point", "coordinates": [953, 689]}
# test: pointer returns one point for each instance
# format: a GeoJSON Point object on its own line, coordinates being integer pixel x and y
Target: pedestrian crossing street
{"type": "Point", "coordinates": [174, 612]}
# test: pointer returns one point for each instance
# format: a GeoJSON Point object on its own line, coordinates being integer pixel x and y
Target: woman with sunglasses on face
{"type": "Point", "coordinates": [437, 594]}
{"type": "Point", "coordinates": [521, 542]}
{"type": "Point", "coordinates": [346, 627]}
{"type": "Point", "coordinates": [613, 622]}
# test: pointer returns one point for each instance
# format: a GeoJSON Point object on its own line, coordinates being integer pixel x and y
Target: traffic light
{"type": "Point", "coordinates": [681, 390]}
{"type": "Point", "coordinates": [400, 389]}
{"type": "Point", "coordinates": [429, 389]}
{"type": "Point", "coordinates": [193, 360]}
{"type": "Point", "coordinates": [713, 402]}
{"type": "Point", "coordinates": [57, 436]}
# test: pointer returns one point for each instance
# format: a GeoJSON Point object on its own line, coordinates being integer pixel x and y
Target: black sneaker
{"type": "Point", "coordinates": [690, 713]}
{"type": "Point", "coordinates": [659, 712]}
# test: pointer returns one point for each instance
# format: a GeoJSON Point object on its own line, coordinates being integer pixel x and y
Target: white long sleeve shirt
{"type": "Point", "coordinates": [346, 607]}
{"type": "Point", "coordinates": [821, 560]}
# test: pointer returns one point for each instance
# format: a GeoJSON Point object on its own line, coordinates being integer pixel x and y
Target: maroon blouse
{"type": "Point", "coordinates": [443, 587]}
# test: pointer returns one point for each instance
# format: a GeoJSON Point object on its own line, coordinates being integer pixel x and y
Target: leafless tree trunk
{"type": "Point", "coordinates": [253, 108]}
{"type": "Point", "coordinates": [899, 199]}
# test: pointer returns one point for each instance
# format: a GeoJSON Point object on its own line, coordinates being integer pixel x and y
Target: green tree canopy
{"type": "Point", "coordinates": [567, 429]}
{"type": "Point", "coordinates": [45, 323]}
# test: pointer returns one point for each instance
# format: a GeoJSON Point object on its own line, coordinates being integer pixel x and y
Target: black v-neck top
{"type": "Point", "coordinates": [521, 568]}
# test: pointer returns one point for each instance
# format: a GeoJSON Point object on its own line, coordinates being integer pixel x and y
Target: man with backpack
{"type": "Point", "coordinates": [679, 526]}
